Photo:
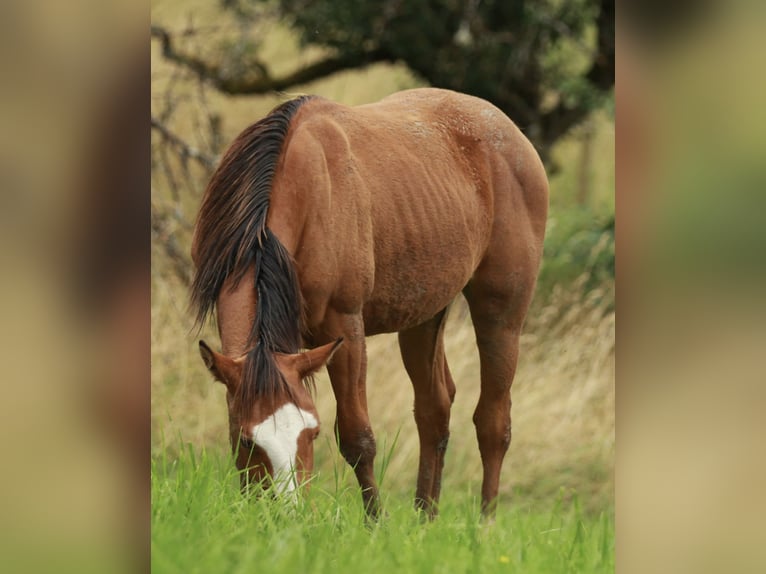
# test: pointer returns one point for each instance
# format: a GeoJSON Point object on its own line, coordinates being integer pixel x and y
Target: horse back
{"type": "Point", "coordinates": [389, 208]}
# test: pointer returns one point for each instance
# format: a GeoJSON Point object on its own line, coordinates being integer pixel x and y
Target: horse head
{"type": "Point", "coordinates": [272, 437]}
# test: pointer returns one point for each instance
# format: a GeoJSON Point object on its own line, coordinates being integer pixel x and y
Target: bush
{"type": "Point", "coordinates": [577, 242]}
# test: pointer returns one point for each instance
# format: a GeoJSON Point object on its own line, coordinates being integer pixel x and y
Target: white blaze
{"type": "Point", "coordinates": [278, 436]}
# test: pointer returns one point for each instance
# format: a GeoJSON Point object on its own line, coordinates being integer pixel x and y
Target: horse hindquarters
{"type": "Point", "coordinates": [499, 295]}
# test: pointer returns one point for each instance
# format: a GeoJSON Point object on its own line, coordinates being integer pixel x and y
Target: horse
{"type": "Point", "coordinates": [324, 224]}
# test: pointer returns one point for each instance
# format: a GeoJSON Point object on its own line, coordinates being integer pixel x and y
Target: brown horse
{"type": "Point", "coordinates": [325, 224]}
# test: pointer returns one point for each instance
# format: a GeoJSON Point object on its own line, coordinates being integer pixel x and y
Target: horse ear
{"type": "Point", "coordinates": [220, 366]}
{"type": "Point", "coordinates": [311, 361]}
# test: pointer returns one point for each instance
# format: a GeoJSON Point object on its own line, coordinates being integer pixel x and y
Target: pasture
{"type": "Point", "coordinates": [200, 523]}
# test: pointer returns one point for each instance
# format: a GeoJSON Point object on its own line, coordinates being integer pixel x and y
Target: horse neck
{"type": "Point", "coordinates": [236, 304]}
{"type": "Point", "coordinates": [236, 313]}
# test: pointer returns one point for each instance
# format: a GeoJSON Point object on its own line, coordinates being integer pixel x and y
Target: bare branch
{"type": "Point", "coordinates": [264, 82]}
{"type": "Point", "coordinates": [184, 149]}
{"type": "Point", "coordinates": [170, 53]}
{"type": "Point", "coordinates": [163, 237]}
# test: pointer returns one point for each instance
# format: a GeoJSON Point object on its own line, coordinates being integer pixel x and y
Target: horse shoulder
{"type": "Point", "coordinates": [320, 203]}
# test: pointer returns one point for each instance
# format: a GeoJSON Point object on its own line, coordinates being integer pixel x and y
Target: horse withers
{"type": "Point", "coordinates": [324, 224]}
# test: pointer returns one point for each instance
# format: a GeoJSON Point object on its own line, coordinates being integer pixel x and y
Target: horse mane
{"type": "Point", "coordinates": [231, 235]}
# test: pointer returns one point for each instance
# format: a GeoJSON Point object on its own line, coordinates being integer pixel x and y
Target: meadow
{"type": "Point", "coordinates": [200, 523]}
{"type": "Point", "coordinates": [556, 503]}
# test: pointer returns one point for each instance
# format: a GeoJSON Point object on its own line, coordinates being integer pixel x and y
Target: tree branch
{"type": "Point", "coordinates": [184, 149]}
{"type": "Point", "coordinates": [163, 237]}
{"type": "Point", "coordinates": [201, 68]}
{"type": "Point", "coordinates": [264, 82]}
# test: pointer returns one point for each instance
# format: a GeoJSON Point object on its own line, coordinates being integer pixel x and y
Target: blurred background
{"type": "Point", "coordinates": [690, 465]}
{"type": "Point", "coordinates": [218, 66]}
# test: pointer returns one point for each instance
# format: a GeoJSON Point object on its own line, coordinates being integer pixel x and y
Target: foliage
{"type": "Point", "coordinates": [578, 242]}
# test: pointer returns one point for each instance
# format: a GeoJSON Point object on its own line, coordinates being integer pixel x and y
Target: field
{"type": "Point", "coordinates": [202, 524]}
{"type": "Point", "coordinates": [556, 502]}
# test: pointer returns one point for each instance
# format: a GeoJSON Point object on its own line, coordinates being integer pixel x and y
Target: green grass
{"type": "Point", "coordinates": [201, 523]}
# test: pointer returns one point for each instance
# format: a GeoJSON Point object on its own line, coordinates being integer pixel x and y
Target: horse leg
{"type": "Point", "coordinates": [498, 353]}
{"type": "Point", "coordinates": [422, 349]}
{"type": "Point", "coordinates": [348, 370]}
{"type": "Point", "coordinates": [498, 308]}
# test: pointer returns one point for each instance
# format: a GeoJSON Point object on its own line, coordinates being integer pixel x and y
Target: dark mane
{"type": "Point", "coordinates": [231, 236]}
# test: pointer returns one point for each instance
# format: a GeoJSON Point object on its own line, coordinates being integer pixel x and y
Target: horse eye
{"type": "Point", "coordinates": [246, 443]}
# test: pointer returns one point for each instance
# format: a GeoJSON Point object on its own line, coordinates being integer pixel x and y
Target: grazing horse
{"type": "Point", "coordinates": [324, 224]}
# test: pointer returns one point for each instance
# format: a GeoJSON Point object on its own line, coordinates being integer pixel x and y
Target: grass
{"type": "Point", "coordinates": [200, 523]}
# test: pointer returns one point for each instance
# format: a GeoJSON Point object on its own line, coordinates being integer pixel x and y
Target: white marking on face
{"type": "Point", "coordinates": [278, 436]}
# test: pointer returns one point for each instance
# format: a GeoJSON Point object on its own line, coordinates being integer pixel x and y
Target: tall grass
{"type": "Point", "coordinates": [200, 523]}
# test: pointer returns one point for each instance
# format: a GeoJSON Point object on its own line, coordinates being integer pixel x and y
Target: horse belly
{"type": "Point", "coordinates": [407, 295]}
{"type": "Point", "coordinates": [382, 317]}
{"type": "Point", "coordinates": [428, 241]}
